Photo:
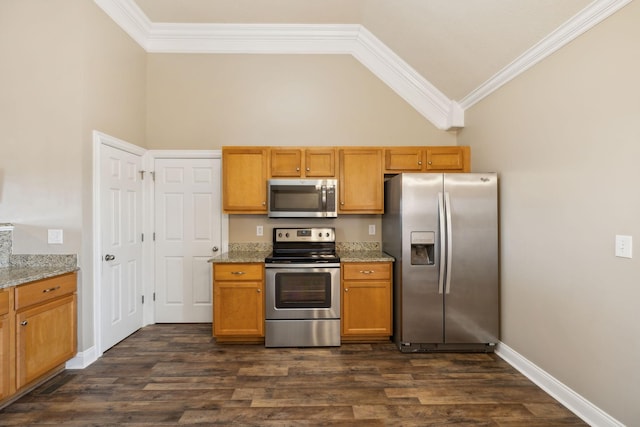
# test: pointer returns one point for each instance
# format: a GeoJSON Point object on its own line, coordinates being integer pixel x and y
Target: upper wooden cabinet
{"type": "Point", "coordinates": [427, 159]}
{"type": "Point", "coordinates": [361, 183]}
{"type": "Point", "coordinates": [303, 162]}
{"type": "Point", "coordinates": [244, 179]}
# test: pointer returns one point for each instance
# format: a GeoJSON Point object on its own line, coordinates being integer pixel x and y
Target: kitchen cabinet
{"type": "Point", "coordinates": [5, 344]}
{"type": "Point", "coordinates": [45, 327]}
{"type": "Point", "coordinates": [361, 182]}
{"type": "Point", "coordinates": [366, 301]}
{"type": "Point", "coordinates": [238, 302]}
{"type": "Point", "coordinates": [303, 163]}
{"type": "Point", "coordinates": [244, 179]}
{"type": "Point", "coordinates": [427, 159]}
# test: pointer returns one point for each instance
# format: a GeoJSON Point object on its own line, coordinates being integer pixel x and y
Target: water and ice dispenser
{"type": "Point", "coordinates": [423, 247]}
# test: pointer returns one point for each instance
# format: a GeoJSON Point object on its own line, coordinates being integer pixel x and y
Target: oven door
{"type": "Point", "coordinates": [302, 292]}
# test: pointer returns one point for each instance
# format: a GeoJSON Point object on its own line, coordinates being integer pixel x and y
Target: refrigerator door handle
{"type": "Point", "coordinates": [447, 202]}
{"type": "Point", "coordinates": [443, 241]}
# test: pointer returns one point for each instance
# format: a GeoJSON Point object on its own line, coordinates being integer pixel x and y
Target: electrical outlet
{"type": "Point", "coordinates": [372, 229]}
{"type": "Point", "coordinates": [623, 246]}
{"type": "Point", "coordinates": [259, 230]}
{"type": "Point", "coordinates": [55, 237]}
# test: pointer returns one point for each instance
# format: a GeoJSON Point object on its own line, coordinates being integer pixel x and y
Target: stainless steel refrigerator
{"type": "Point", "coordinates": [442, 230]}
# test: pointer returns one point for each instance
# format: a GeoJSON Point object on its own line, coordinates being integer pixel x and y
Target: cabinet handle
{"type": "Point", "coordinates": [428, 163]}
{"type": "Point", "coordinates": [44, 291]}
{"type": "Point", "coordinates": [258, 290]}
{"type": "Point", "coordinates": [367, 271]}
{"type": "Point", "coordinates": [346, 289]}
{"type": "Point", "coordinates": [297, 169]}
{"type": "Point", "coordinates": [24, 323]}
{"type": "Point", "coordinates": [419, 163]}
{"type": "Point", "coordinates": [264, 203]}
{"type": "Point", "coordinates": [238, 273]}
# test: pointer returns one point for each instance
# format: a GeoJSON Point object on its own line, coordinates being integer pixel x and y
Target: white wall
{"type": "Point", "coordinates": [565, 139]}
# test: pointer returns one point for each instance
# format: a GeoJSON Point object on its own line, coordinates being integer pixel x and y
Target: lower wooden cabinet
{"type": "Point", "coordinates": [38, 332]}
{"type": "Point", "coordinates": [5, 348]}
{"type": "Point", "coordinates": [238, 302]}
{"type": "Point", "coordinates": [366, 301]}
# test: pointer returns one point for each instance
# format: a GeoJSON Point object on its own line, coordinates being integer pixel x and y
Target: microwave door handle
{"type": "Point", "coordinates": [324, 198]}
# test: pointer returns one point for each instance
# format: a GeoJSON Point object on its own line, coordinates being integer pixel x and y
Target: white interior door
{"type": "Point", "coordinates": [188, 217]}
{"type": "Point", "coordinates": [121, 220]}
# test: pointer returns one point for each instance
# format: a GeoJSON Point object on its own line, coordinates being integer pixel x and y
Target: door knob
{"type": "Point", "coordinates": [109, 257]}
{"type": "Point", "coordinates": [214, 249]}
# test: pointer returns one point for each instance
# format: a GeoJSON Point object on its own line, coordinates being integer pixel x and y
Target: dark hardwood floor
{"type": "Point", "coordinates": [177, 374]}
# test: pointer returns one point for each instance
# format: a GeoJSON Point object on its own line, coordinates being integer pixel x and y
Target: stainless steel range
{"type": "Point", "coordinates": [302, 289]}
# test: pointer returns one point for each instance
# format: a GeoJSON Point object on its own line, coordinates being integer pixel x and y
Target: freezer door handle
{"type": "Point", "coordinates": [443, 242]}
{"type": "Point", "coordinates": [447, 202]}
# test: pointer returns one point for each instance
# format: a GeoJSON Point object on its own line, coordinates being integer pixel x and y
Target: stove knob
{"type": "Point", "coordinates": [287, 234]}
{"type": "Point", "coordinates": [279, 234]}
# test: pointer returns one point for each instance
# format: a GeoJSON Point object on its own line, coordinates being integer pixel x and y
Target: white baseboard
{"type": "Point", "coordinates": [83, 359]}
{"type": "Point", "coordinates": [577, 404]}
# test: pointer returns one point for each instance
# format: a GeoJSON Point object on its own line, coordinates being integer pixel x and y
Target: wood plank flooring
{"type": "Point", "coordinates": [177, 375]}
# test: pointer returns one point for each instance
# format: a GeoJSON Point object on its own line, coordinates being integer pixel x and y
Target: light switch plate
{"type": "Point", "coordinates": [55, 236]}
{"type": "Point", "coordinates": [259, 230]}
{"type": "Point", "coordinates": [624, 246]}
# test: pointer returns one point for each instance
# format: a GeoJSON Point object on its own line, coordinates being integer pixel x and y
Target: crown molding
{"type": "Point", "coordinates": [586, 19]}
{"type": "Point", "coordinates": [349, 39]}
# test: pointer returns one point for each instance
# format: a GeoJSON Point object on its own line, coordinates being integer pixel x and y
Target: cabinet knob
{"type": "Point", "coordinates": [341, 203]}
{"type": "Point", "coordinates": [428, 163]}
{"type": "Point", "coordinates": [297, 169]}
{"type": "Point", "coordinates": [24, 323]}
{"type": "Point", "coordinates": [420, 162]}
{"type": "Point", "coordinates": [308, 169]}
{"type": "Point", "coordinates": [346, 289]}
{"type": "Point", "coordinates": [258, 290]}
{"type": "Point", "coordinates": [264, 203]}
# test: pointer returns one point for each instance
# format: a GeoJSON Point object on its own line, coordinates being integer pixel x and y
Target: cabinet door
{"type": "Point", "coordinates": [366, 308]}
{"type": "Point", "coordinates": [448, 159]}
{"type": "Point", "coordinates": [320, 162]}
{"type": "Point", "coordinates": [405, 159]}
{"type": "Point", "coordinates": [286, 163]}
{"type": "Point", "coordinates": [45, 338]}
{"type": "Point", "coordinates": [244, 180]}
{"type": "Point", "coordinates": [361, 181]}
{"type": "Point", "coordinates": [5, 367]}
{"type": "Point", "coordinates": [238, 309]}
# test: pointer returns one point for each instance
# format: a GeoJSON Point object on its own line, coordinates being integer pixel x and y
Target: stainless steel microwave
{"type": "Point", "coordinates": [302, 198]}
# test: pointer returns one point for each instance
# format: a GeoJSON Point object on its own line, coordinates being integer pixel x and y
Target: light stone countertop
{"type": "Point", "coordinates": [14, 276]}
{"type": "Point", "coordinates": [345, 256]}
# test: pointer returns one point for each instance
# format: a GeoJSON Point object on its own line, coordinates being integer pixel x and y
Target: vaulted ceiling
{"type": "Point", "coordinates": [441, 56]}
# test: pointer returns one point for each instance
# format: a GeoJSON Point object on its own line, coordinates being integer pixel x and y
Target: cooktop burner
{"type": "Point", "coordinates": [303, 245]}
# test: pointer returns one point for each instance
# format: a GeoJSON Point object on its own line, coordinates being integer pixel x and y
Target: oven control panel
{"type": "Point", "coordinates": [325, 234]}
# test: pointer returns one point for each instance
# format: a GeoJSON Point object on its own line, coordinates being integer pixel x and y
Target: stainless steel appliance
{"type": "Point", "coordinates": [300, 198]}
{"type": "Point", "coordinates": [442, 230]}
{"type": "Point", "coordinates": [302, 286]}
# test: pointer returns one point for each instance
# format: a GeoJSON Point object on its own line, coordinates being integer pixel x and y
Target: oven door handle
{"type": "Point", "coordinates": [292, 265]}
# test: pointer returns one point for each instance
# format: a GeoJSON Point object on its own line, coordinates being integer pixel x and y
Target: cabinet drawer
{"type": "Point", "coordinates": [238, 271]}
{"type": "Point", "coordinates": [4, 302]}
{"type": "Point", "coordinates": [366, 271]}
{"type": "Point", "coordinates": [45, 290]}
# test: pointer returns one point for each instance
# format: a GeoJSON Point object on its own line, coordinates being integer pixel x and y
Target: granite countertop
{"type": "Point", "coordinates": [240, 256]}
{"type": "Point", "coordinates": [14, 276]}
{"type": "Point", "coordinates": [365, 256]}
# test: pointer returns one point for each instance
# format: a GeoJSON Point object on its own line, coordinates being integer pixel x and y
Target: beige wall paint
{"type": "Point", "coordinates": [66, 69]}
{"type": "Point", "coordinates": [207, 101]}
{"type": "Point", "coordinates": [565, 138]}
